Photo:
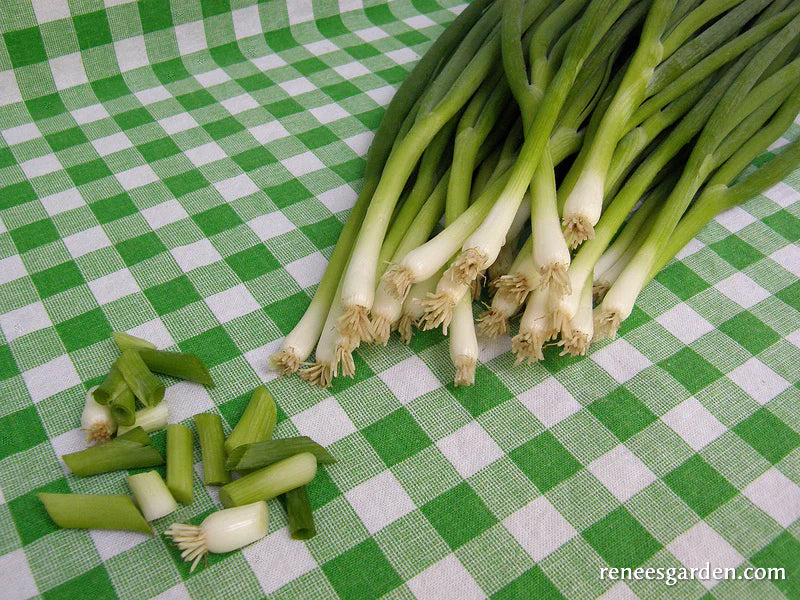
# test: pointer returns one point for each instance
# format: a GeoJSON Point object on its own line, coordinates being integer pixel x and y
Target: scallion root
{"type": "Point", "coordinates": [575, 344]}
{"type": "Point", "coordinates": [320, 374]}
{"type": "Point", "coordinates": [555, 277]}
{"type": "Point", "coordinates": [516, 286]}
{"type": "Point", "coordinates": [606, 324]}
{"type": "Point", "coordinates": [599, 290]}
{"type": "Point", "coordinates": [465, 370]}
{"type": "Point", "coordinates": [527, 345]}
{"type": "Point", "coordinates": [467, 266]}
{"type": "Point", "coordinates": [398, 279]}
{"type": "Point", "coordinates": [381, 328]}
{"type": "Point", "coordinates": [191, 540]}
{"type": "Point", "coordinates": [285, 361]}
{"type": "Point", "coordinates": [405, 328]}
{"type": "Point", "coordinates": [577, 229]}
{"type": "Point", "coordinates": [492, 323]}
{"type": "Point", "coordinates": [344, 357]}
{"type": "Point", "coordinates": [354, 323]}
{"type": "Point", "coordinates": [438, 311]}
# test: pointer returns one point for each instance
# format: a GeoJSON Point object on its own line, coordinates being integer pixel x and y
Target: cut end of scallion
{"type": "Point", "coordinates": [606, 324]}
{"type": "Point", "coordinates": [354, 323]}
{"type": "Point", "coordinates": [398, 280]}
{"type": "Point", "coordinates": [577, 229]}
{"type": "Point", "coordinates": [465, 370]}
{"type": "Point", "coordinates": [286, 361]}
{"type": "Point", "coordinates": [527, 345]}
{"type": "Point", "coordinates": [516, 286]}
{"type": "Point", "coordinates": [467, 266]}
{"type": "Point", "coordinates": [320, 374]}
{"type": "Point", "coordinates": [344, 358]}
{"type": "Point", "coordinates": [492, 323]}
{"type": "Point", "coordinates": [438, 311]}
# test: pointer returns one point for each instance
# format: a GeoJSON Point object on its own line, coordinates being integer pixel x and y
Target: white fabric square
{"type": "Point", "coordinates": [469, 449]}
{"type": "Point", "coordinates": [239, 104]}
{"type": "Point", "coordinates": [87, 241]}
{"type": "Point", "coordinates": [742, 290]}
{"type": "Point", "coordinates": [321, 47]}
{"type": "Point", "coordinates": [9, 91]}
{"type": "Point", "coordinates": [684, 323]}
{"type": "Point", "coordinates": [186, 399]}
{"type": "Point", "coordinates": [191, 37]}
{"type": "Point", "coordinates": [197, 254]}
{"type": "Point", "coordinates": [735, 219]}
{"type": "Point", "coordinates": [50, 10]}
{"type": "Point", "coordinates": [550, 402]}
{"type": "Point", "coordinates": [325, 422]}
{"type": "Point", "coordinates": [269, 132]}
{"type": "Point", "coordinates": [410, 379]}
{"type": "Point", "coordinates": [90, 114]}
{"type": "Point", "coordinates": [21, 133]}
{"type": "Point", "coordinates": [782, 194]}
{"type": "Point", "coordinates": [131, 53]}
{"type": "Point", "coordinates": [109, 543]}
{"type": "Point", "coordinates": [236, 187]}
{"type": "Point", "coordinates": [24, 320]}
{"type": "Point", "coordinates": [701, 545]}
{"type": "Point", "coordinates": [622, 473]}
{"type": "Point", "coordinates": [41, 165]}
{"type": "Point", "coordinates": [68, 71]}
{"type": "Point", "coordinates": [492, 348]}
{"type": "Point", "coordinates": [152, 95]}
{"type": "Point", "coordinates": [789, 258]}
{"type": "Point", "coordinates": [270, 225]}
{"type": "Point", "coordinates": [419, 22]}
{"type": "Point", "coordinates": [403, 56]}
{"type": "Point", "coordinates": [694, 423]}
{"type": "Point", "coordinates": [621, 360]}
{"type": "Point", "coordinates": [11, 269]}
{"type": "Point", "coordinates": [758, 380]}
{"type": "Point", "coordinates": [776, 495]}
{"type": "Point", "coordinates": [794, 338]}
{"type": "Point", "coordinates": [207, 153]}
{"type": "Point", "coordinates": [178, 123]}
{"type": "Point", "coordinates": [380, 501]}
{"type": "Point", "coordinates": [113, 286]}
{"type": "Point", "coordinates": [360, 142]}
{"type": "Point", "coordinates": [446, 580]}
{"type": "Point", "coordinates": [111, 143]}
{"type": "Point", "coordinates": [304, 163]}
{"type": "Point", "coordinates": [539, 528]}
{"type": "Point", "coordinates": [18, 582]}
{"type": "Point", "coordinates": [67, 443]}
{"type": "Point", "coordinates": [382, 95]}
{"type": "Point", "coordinates": [50, 378]}
{"type": "Point", "coordinates": [232, 303]}
{"type": "Point", "coordinates": [308, 270]}
{"type": "Point", "coordinates": [348, 5]}
{"type": "Point", "coordinates": [371, 34]}
{"type": "Point", "coordinates": [268, 62]}
{"type": "Point", "coordinates": [176, 592]}
{"type": "Point", "coordinates": [136, 177]}
{"type": "Point", "coordinates": [108, 3]}
{"type": "Point", "coordinates": [246, 22]}
{"type": "Point", "coordinates": [692, 247]}
{"type": "Point", "coordinates": [258, 359]}
{"type": "Point", "coordinates": [164, 214]}
{"type": "Point", "coordinates": [300, 11]}
{"type": "Point", "coordinates": [619, 592]}
{"type": "Point", "coordinates": [338, 199]}
{"type": "Point", "coordinates": [211, 78]}
{"type": "Point", "coordinates": [329, 113]}
{"type": "Point", "coordinates": [155, 332]}
{"type": "Point", "coordinates": [295, 87]}
{"type": "Point", "coordinates": [278, 559]}
{"type": "Point", "coordinates": [351, 70]}
{"type": "Point", "coordinates": [62, 201]}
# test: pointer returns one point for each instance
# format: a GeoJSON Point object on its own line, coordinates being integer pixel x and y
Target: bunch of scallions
{"type": "Point", "coordinates": [571, 148]}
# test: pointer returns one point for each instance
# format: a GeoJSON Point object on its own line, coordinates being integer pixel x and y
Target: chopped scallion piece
{"type": "Point", "coordinates": [177, 364]}
{"type": "Point", "coordinates": [120, 453]}
{"type": "Point", "coordinates": [93, 511]}
{"type": "Point", "coordinates": [148, 419]}
{"type": "Point", "coordinates": [179, 463]}
{"type": "Point", "coordinates": [152, 495]}
{"type": "Point", "coordinates": [298, 510]}
{"type": "Point", "coordinates": [261, 454]}
{"type": "Point", "coordinates": [113, 385]}
{"type": "Point", "coordinates": [126, 341]}
{"type": "Point", "coordinates": [123, 409]}
{"type": "Point", "coordinates": [144, 385]}
{"type": "Point", "coordinates": [212, 446]}
{"type": "Point", "coordinates": [257, 422]}
{"type": "Point", "coordinates": [271, 481]}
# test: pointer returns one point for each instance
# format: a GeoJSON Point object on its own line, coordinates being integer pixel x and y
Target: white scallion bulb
{"type": "Point", "coordinates": [96, 420]}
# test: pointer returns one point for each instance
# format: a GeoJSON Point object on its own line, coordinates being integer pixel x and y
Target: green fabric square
{"type": "Point", "coordinates": [280, 39]}
{"type": "Point", "coordinates": [223, 128]}
{"type": "Point", "coordinates": [84, 330]}
{"type": "Point", "coordinates": [379, 14]}
{"type": "Point", "coordinates": [113, 208]}
{"type": "Point", "coordinates": [215, 7]}
{"type": "Point", "coordinates": [458, 515]}
{"type": "Point", "coordinates": [140, 248]}
{"type": "Point", "coordinates": [92, 29]}
{"type": "Point", "coordinates": [621, 540]}
{"type": "Point", "coordinates": [253, 262]}
{"type": "Point", "coordinates": [67, 138]}
{"type": "Point", "coordinates": [545, 461]}
{"type": "Point", "coordinates": [341, 91]}
{"type": "Point", "coordinates": [27, 431]}
{"type": "Point", "coordinates": [323, 234]}
{"type": "Point", "coordinates": [57, 279]}
{"type": "Point", "coordinates": [28, 512]}
{"type": "Point", "coordinates": [16, 194]}
{"type": "Point", "coordinates": [89, 171]}
{"type": "Point", "coordinates": [254, 158]}
{"type": "Point", "coordinates": [95, 581]}
{"type": "Point", "coordinates": [25, 47]}
{"type": "Point", "coordinates": [45, 106]}
{"type": "Point", "coordinates": [310, 65]}
{"type": "Point", "coordinates": [133, 118]}
{"type": "Point", "coordinates": [784, 223]}
{"type": "Point", "coordinates": [412, 38]}
{"type": "Point", "coordinates": [8, 367]}
{"type": "Point", "coordinates": [396, 437]}
{"type": "Point", "coordinates": [690, 369]}
{"type": "Point", "coordinates": [157, 149]}
{"type": "Point", "coordinates": [322, 489]}
{"type": "Point", "coordinates": [6, 158]}
{"type": "Point", "coordinates": [227, 54]}
{"type": "Point", "coordinates": [485, 394]}
{"type": "Point", "coordinates": [770, 436]}
{"type": "Point", "coordinates": [362, 52]}
{"type": "Point", "coordinates": [700, 486]}
{"type": "Point", "coordinates": [287, 312]}
{"type": "Point", "coordinates": [288, 193]}
{"type": "Point", "coordinates": [349, 170]}
{"type": "Point", "coordinates": [255, 82]}
{"type": "Point", "coordinates": [393, 74]}
{"type": "Point", "coordinates": [361, 573]}
{"type": "Point", "coordinates": [34, 235]}
{"type": "Point", "coordinates": [782, 552]}
{"type": "Point", "coordinates": [790, 294]}
{"type": "Point", "coordinates": [185, 183]}
{"type": "Point", "coordinates": [110, 88]}
{"type": "Point", "coordinates": [155, 15]}
{"type": "Point", "coordinates": [213, 346]}
{"type": "Point", "coordinates": [531, 584]}
{"type": "Point", "coordinates": [622, 413]}
{"type": "Point", "coordinates": [170, 70]}
{"type": "Point", "coordinates": [331, 27]}
{"type": "Point", "coordinates": [637, 318]}
{"type": "Point", "coordinates": [285, 108]}
{"type": "Point", "coordinates": [194, 100]}
{"type": "Point", "coordinates": [736, 251]}
{"type": "Point", "coordinates": [217, 219]}
{"type": "Point", "coordinates": [681, 280]}
{"type": "Point", "coordinates": [750, 332]}
{"type": "Point", "coordinates": [172, 295]}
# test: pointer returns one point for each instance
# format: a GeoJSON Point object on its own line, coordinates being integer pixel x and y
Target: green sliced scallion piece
{"type": "Point", "coordinates": [126, 341]}
{"type": "Point", "coordinates": [261, 454]}
{"type": "Point", "coordinates": [135, 434]}
{"type": "Point", "coordinates": [148, 419]}
{"type": "Point", "coordinates": [113, 385]}
{"type": "Point", "coordinates": [270, 482]}
{"type": "Point", "coordinates": [144, 385]}
{"type": "Point", "coordinates": [212, 446]}
{"type": "Point", "coordinates": [179, 463]}
{"type": "Point", "coordinates": [94, 511]}
{"type": "Point", "coordinates": [120, 453]}
{"type": "Point", "coordinates": [298, 511]}
{"type": "Point", "coordinates": [123, 409]}
{"type": "Point", "coordinates": [177, 364]}
{"type": "Point", "coordinates": [257, 422]}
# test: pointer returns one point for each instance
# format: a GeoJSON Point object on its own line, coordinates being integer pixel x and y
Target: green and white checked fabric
{"type": "Point", "coordinates": [181, 171]}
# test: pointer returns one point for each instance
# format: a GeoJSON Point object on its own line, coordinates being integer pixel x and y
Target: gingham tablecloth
{"type": "Point", "coordinates": [182, 170]}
